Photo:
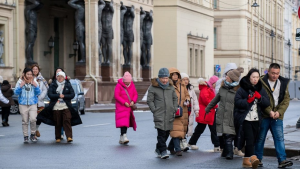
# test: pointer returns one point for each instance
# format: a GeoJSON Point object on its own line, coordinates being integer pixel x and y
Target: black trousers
{"type": "Point", "coordinates": [5, 113]}
{"type": "Point", "coordinates": [250, 129]}
{"type": "Point", "coordinates": [200, 129]}
{"type": "Point", "coordinates": [123, 130]}
{"type": "Point", "coordinates": [162, 137]}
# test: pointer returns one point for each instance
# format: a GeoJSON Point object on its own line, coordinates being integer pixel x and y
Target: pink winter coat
{"type": "Point", "coordinates": [124, 115]}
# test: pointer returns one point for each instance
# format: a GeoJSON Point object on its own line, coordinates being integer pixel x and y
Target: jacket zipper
{"type": "Point", "coordinates": [165, 108]}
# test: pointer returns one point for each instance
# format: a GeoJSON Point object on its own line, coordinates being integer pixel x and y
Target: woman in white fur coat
{"type": "Point", "coordinates": [193, 109]}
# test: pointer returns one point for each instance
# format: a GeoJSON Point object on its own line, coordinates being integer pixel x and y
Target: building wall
{"type": "Point", "coordinates": [243, 33]}
{"type": "Point", "coordinates": [181, 26]}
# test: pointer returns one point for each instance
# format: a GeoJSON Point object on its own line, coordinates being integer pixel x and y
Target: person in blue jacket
{"type": "Point", "coordinates": [28, 91]}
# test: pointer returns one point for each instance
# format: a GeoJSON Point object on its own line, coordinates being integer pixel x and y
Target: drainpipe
{"type": "Point", "coordinates": [90, 56]}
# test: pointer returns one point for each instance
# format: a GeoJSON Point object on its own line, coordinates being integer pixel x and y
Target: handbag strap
{"type": "Point", "coordinates": [179, 94]}
{"type": "Point", "coordinates": [127, 94]}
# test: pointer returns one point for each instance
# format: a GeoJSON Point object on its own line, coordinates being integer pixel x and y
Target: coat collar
{"type": "Point", "coordinates": [246, 85]}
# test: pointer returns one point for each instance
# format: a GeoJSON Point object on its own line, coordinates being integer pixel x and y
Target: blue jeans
{"type": "Point", "coordinates": [276, 128]}
{"type": "Point", "coordinates": [174, 143]}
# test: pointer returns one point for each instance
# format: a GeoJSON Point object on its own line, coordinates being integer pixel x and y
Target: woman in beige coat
{"type": "Point", "coordinates": [180, 123]}
{"type": "Point", "coordinates": [193, 109]}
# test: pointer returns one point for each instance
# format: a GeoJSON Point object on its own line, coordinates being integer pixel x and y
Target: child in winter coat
{"type": "Point", "coordinates": [207, 93]}
{"type": "Point", "coordinates": [28, 91]}
{"type": "Point", "coordinates": [193, 109]}
{"type": "Point", "coordinates": [126, 96]}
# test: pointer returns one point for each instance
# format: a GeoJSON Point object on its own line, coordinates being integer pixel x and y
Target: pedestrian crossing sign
{"type": "Point", "coordinates": [298, 34]}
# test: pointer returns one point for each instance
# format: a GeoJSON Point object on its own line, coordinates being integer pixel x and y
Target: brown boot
{"type": "Point", "coordinates": [246, 162]}
{"type": "Point", "coordinates": [254, 161]}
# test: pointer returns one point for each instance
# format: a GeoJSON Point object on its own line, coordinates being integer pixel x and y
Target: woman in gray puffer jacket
{"type": "Point", "coordinates": [224, 117]}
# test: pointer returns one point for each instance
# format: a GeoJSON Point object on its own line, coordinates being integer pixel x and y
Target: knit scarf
{"type": "Point", "coordinates": [233, 84]}
{"type": "Point", "coordinates": [41, 78]}
{"type": "Point", "coordinates": [163, 86]}
{"type": "Point", "coordinates": [60, 86]}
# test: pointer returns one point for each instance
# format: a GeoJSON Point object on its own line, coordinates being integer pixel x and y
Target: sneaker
{"type": "Point", "coordinates": [58, 140]}
{"type": "Point", "coordinates": [185, 146]}
{"type": "Point", "coordinates": [179, 153]}
{"type": "Point", "coordinates": [121, 141]}
{"type": "Point", "coordinates": [193, 147]}
{"type": "Point", "coordinates": [126, 141]}
{"type": "Point", "coordinates": [33, 138]}
{"type": "Point", "coordinates": [70, 139]}
{"type": "Point", "coordinates": [26, 140]}
{"type": "Point", "coordinates": [62, 137]}
{"type": "Point", "coordinates": [285, 163]}
{"type": "Point", "coordinates": [38, 134]}
{"type": "Point", "coordinates": [260, 164]}
{"type": "Point", "coordinates": [164, 155]}
{"type": "Point", "coordinates": [238, 152]}
{"type": "Point", "coordinates": [217, 150]}
{"type": "Point", "coordinates": [157, 152]}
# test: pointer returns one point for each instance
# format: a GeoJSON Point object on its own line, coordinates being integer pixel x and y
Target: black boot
{"type": "Point", "coordinates": [229, 155]}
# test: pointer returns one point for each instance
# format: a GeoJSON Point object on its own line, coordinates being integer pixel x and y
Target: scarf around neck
{"type": "Point", "coordinates": [41, 78]}
{"type": "Point", "coordinates": [60, 86]}
{"type": "Point", "coordinates": [162, 85]}
{"type": "Point", "coordinates": [233, 84]}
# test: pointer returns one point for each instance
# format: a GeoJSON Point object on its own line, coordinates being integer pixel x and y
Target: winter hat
{"type": "Point", "coordinates": [235, 74]}
{"type": "Point", "coordinates": [163, 72]}
{"type": "Point", "coordinates": [5, 82]}
{"type": "Point", "coordinates": [1, 79]}
{"type": "Point", "coordinates": [212, 80]}
{"type": "Point", "coordinates": [127, 77]}
{"type": "Point", "coordinates": [184, 75]}
{"type": "Point", "coordinates": [61, 73]}
{"type": "Point", "coordinates": [201, 81]}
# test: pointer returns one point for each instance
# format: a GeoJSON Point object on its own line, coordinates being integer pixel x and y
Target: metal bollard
{"type": "Point", "coordinates": [298, 124]}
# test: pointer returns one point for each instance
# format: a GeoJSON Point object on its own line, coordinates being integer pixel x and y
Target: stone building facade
{"type": "Point", "coordinates": [243, 33]}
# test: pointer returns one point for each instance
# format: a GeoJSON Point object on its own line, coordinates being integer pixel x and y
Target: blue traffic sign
{"type": "Point", "coordinates": [218, 68]}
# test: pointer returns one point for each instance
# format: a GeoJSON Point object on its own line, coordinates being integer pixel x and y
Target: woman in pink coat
{"type": "Point", "coordinates": [126, 96]}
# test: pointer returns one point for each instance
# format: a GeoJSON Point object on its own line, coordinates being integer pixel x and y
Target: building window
{"type": "Point", "coordinates": [215, 38]}
{"type": "Point", "coordinates": [191, 62]}
{"type": "Point", "coordinates": [196, 63]}
{"type": "Point", "coordinates": [215, 4]}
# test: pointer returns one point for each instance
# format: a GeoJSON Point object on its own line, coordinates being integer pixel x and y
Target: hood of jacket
{"type": "Point", "coordinates": [246, 85]}
{"type": "Point", "coordinates": [120, 81]}
{"type": "Point", "coordinates": [174, 70]}
{"type": "Point", "coordinates": [202, 85]}
{"type": "Point", "coordinates": [5, 87]}
{"type": "Point", "coordinates": [228, 67]}
{"type": "Point", "coordinates": [155, 83]}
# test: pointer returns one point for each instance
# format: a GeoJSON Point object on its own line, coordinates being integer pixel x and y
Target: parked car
{"type": "Point", "coordinates": [78, 102]}
{"type": "Point", "coordinates": [14, 109]}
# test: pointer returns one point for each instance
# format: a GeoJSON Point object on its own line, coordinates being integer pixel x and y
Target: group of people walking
{"type": "Point", "coordinates": [32, 89]}
{"type": "Point", "coordinates": [239, 112]}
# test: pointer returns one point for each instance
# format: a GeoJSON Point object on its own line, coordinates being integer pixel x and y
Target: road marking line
{"type": "Point", "coordinates": [97, 125]}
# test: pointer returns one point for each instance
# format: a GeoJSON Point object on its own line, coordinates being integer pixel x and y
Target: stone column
{"type": "Point", "coordinates": [116, 59]}
{"type": "Point", "coordinates": [21, 36]}
{"type": "Point", "coordinates": [138, 44]}
{"type": "Point", "coordinates": [93, 43]}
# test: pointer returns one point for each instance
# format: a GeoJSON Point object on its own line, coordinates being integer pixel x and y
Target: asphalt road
{"type": "Point", "coordinates": [96, 146]}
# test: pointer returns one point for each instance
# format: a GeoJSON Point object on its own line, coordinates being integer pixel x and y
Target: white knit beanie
{"type": "Point", "coordinates": [61, 73]}
{"type": "Point", "coordinates": [200, 80]}
{"type": "Point", "coordinates": [184, 75]}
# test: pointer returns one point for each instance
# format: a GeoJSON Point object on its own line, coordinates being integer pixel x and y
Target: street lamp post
{"type": "Point", "coordinates": [289, 44]}
{"type": "Point", "coordinates": [272, 35]}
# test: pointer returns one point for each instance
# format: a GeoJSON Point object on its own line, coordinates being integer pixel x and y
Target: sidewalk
{"type": "Point", "coordinates": [109, 108]}
{"type": "Point", "coordinates": [291, 140]}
